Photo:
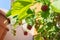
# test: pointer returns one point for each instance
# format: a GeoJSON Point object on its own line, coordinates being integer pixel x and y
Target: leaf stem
{"type": "Point", "coordinates": [44, 2]}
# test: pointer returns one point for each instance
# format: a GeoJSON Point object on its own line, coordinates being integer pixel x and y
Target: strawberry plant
{"type": "Point", "coordinates": [45, 17]}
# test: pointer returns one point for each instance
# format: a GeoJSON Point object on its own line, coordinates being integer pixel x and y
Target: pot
{"type": "Point", "coordinates": [4, 21]}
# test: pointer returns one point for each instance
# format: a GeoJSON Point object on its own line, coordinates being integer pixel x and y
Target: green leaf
{"type": "Point", "coordinates": [50, 25]}
{"type": "Point", "coordinates": [30, 21]}
{"type": "Point", "coordinates": [29, 11]}
{"type": "Point", "coordinates": [45, 14]}
{"type": "Point", "coordinates": [22, 16]}
{"type": "Point", "coordinates": [30, 17]}
{"type": "Point", "coordinates": [19, 7]}
{"type": "Point", "coordinates": [27, 0]}
{"type": "Point", "coordinates": [23, 11]}
{"type": "Point", "coordinates": [38, 0]}
{"type": "Point", "coordinates": [8, 13]}
{"type": "Point", "coordinates": [37, 37]}
{"type": "Point", "coordinates": [47, 2]}
{"type": "Point", "coordinates": [41, 29]}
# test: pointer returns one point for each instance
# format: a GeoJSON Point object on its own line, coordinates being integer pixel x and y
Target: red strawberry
{"type": "Point", "coordinates": [44, 7]}
{"type": "Point", "coordinates": [25, 33]}
{"type": "Point", "coordinates": [29, 27]}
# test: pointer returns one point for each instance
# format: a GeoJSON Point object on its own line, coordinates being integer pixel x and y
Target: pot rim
{"type": "Point", "coordinates": [4, 15]}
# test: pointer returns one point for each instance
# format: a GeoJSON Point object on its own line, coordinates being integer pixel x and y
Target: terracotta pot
{"type": "Point", "coordinates": [3, 25]}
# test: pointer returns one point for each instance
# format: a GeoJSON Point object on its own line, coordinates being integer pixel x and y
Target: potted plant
{"type": "Point", "coordinates": [44, 15]}
{"type": "Point", "coordinates": [4, 21]}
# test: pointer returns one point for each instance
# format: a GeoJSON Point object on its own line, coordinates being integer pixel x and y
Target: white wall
{"type": "Point", "coordinates": [19, 35]}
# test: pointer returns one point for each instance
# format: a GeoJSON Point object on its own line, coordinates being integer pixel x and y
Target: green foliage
{"type": "Point", "coordinates": [19, 6]}
{"type": "Point", "coordinates": [20, 10]}
{"type": "Point", "coordinates": [44, 1]}
{"type": "Point", "coordinates": [27, 0]}
{"type": "Point", "coordinates": [9, 13]}
{"type": "Point", "coordinates": [37, 37]}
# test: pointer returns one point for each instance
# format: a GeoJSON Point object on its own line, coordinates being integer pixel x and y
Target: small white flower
{"type": "Point", "coordinates": [58, 25]}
